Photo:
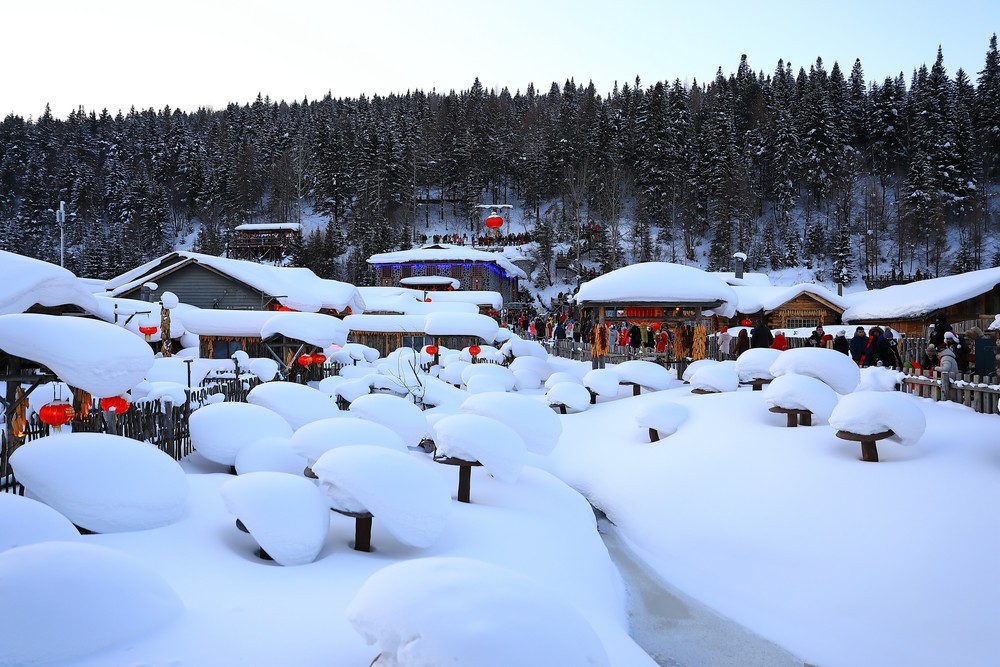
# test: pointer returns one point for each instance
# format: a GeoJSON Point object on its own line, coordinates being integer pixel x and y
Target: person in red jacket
{"type": "Point", "coordinates": [780, 342]}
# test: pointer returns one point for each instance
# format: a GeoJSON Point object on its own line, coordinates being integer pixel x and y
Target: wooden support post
{"type": "Point", "coordinates": [805, 418]}
{"type": "Point", "coordinates": [869, 452]}
{"type": "Point", "coordinates": [464, 483]}
{"type": "Point", "coordinates": [791, 420]}
{"type": "Point", "coordinates": [363, 533]}
{"type": "Point", "coordinates": [654, 435]}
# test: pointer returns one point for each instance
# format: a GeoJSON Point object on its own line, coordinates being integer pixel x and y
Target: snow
{"type": "Point", "coordinates": [662, 416]}
{"type": "Point", "coordinates": [203, 322]}
{"type": "Point", "coordinates": [400, 415]}
{"type": "Point", "coordinates": [95, 356]}
{"type": "Point", "coordinates": [571, 394]}
{"type": "Point", "coordinates": [313, 328]}
{"type": "Point", "coordinates": [401, 490]}
{"type": "Point", "coordinates": [461, 324]}
{"type": "Point", "coordinates": [536, 365]}
{"type": "Point", "coordinates": [602, 381]}
{"type": "Point", "coordinates": [869, 412]}
{"type": "Point", "coordinates": [522, 347]}
{"type": "Point", "coordinates": [501, 375]}
{"type": "Point", "coordinates": [385, 323]}
{"type": "Point", "coordinates": [716, 377]}
{"type": "Point", "coordinates": [696, 366]}
{"type": "Point", "coordinates": [755, 363]}
{"type": "Point", "coordinates": [298, 404]}
{"type": "Point", "coordinates": [316, 438]}
{"type": "Point", "coordinates": [417, 613]}
{"type": "Point", "coordinates": [436, 281]}
{"type": "Point", "coordinates": [659, 282]}
{"type": "Point", "coordinates": [562, 376]}
{"type": "Point", "coordinates": [269, 454]}
{"type": "Point", "coordinates": [220, 431]}
{"type": "Point", "coordinates": [286, 515]}
{"type": "Point", "coordinates": [835, 369]}
{"type": "Point", "coordinates": [103, 483]}
{"type": "Point", "coordinates": [74, 599]}
{"type": "Point", "coordinates": [26, 521]}
{"type": "Point", "coordinates": [876, 378]}
{"type": "Point", "coordinates": [801, 392]}
{"type": "Point", "coordinates": [25, 282]}
{"type": "Point", "coordinates": [447, 252]}
{"type": "Point", "coordinates": [919, 298]}
{"type": "Point", "coordinates": [645, 374]}
{"type": "Point", "coordinates": [533, 420]}
{"type": "Point", "coordinates": [765, 298]}
{"type": "Point", "coordinates": [472, 437]}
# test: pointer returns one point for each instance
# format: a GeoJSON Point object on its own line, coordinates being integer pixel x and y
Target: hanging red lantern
{"type": "Point", "coordinates": [305, 360]}
{"type": "Point", "coordinates": [474, 350]}
{"type": "Point", "coordinates": [745, 322]}
{"type": "Point", "coordinates": [56, 414]}
{"type": "Point", "coordinates": [147, 331]}
{"type": "Point", "coordinates": [319, 359]}
{"type": "Point", "coordinates": [494, 222]}
{"type": "Point", "coordinates": [431, 349]}
{"type": "Point", "coordinates": [428, 299]}
{"type": "Point", "coordinates": [115, 404]}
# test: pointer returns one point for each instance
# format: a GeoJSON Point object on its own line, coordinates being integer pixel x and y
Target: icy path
{"type": "Point", "coordinates": [677, 631]}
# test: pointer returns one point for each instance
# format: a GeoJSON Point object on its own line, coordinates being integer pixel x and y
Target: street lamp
{"type": "Point", "coordinates": [61, 220]}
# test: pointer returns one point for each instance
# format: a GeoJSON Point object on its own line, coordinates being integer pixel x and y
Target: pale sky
{"type": "Point", "coordinates": [116, 54]}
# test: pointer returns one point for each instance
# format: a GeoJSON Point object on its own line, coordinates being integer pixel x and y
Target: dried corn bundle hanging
{"type": "Point", "coordinates": [698, 346]}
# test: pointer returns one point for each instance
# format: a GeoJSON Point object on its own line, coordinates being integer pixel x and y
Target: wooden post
{"type": "Point", "coordinates": [806, 418]}
{"type": "Point", "coordinates": [464, 483]}
{"type": "Point", "coordinates": [869, 452]}
{"type": "Point", "coordinates": [654, 435]}
{"type": "Point", "coordinates": [363, 533]}
{"type": "Point", "coordinates": [168, 408]}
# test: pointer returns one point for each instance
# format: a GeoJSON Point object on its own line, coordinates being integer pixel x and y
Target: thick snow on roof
{"type": "Point", "coordinates": [287, 515]}
{"type": "Point", "coordinates": [385, 323]}
{"type": "Point", "coordinates": [268, 226]}
{"type": "Point", "coordinates": [95, 356]}
{"type": "Point", "coordinates": [659, 282]}
{"type": "Point", "coordinates": [748, 279]}
{"type": "Point", "coordinates": [410, 611]}
{"type": "Point", "coordinates": [312, 328]}
{"type": "Point", "coordinates": [75, 599]}
{"type": "Point", "coordinates": [446, 252]}
{"type": "Point", "coordinates": [920, 298]}
{"type": "Point", "coordinates": [757, 298]}
{"type": "Point", "coordinates": [293, 287]}
{"type": "Point", "coordinates": [461, 324]}
{"type": "Point", "coordinates": [25, 282]}
{"type": "Point", "coordinates": [431, 280]}
{"type": "Point", "coordinates": [204, 322]}
{"type": "Point", "coordinates": [104, 483]}
{"type": "Point", "coordinates": [133, 313]}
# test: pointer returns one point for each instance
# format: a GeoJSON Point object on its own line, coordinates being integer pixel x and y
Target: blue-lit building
{"type": "Point", "coordinates": [474, 269]}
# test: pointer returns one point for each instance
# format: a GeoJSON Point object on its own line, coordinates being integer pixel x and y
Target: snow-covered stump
{"type": "Point", "coordinates": [464, 475]}
{"type": "Point", "coordinates": [795, 416]}
{"type": "Point", "coordinates": [800, 397]}
{"type": "Point", "coordinates": [753, 367]}
{"type": "Point", "coordinates": [659, 418]}
{"type": "Point", "coordinates": [260, 553]}
{"type": "Point", "coordinates": [869, 451]}
{"type": "Point", "coordinates": [870, 416]}
{"type": "Point", "coordinates": [471, 440]}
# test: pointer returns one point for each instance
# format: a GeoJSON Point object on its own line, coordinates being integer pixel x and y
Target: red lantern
{"type": "Point", "coordinates": [147, 331]}
{"type": "Point", "coordinates": [428, 299]}
{"type": "Point", "coordinates": [494, 222]}
{"type": "Point", "coordinates": [305, 360]}
{"type": "Point", "coordinates": [474, 350]}
{"type": "Point", "coordinates": [319, 359]}
{"type": "Point", "coordinates": [115, 404]}
{"type": "Point", "coordinates": [431, 349]}
{"type": "Point", "coordinates": [745, 322]}
{"type": "Point", "coordinates": [56, 414]}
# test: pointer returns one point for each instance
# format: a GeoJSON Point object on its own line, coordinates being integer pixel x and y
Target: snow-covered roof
{"type": "Point", "coordinates": [204, 322]}
{"type": "Point", "coordinates": [411, 301]}
{"type": "Point", "coordinates": [757, 298]}
{"type": "Point", "coordinates": [385, 323]}
{"type": "Point", "coordinates": [269, 227]}
{"type": "Point", "coordinates": [25, 282]}
{"type": "Point", "coordinates": [659, 282]}
{"type": "Point", "coordinates": [919, 299]}
{"type": "Point", "coordinates": [293, 287]}
{"type": "Point", "coordinates": [747, 280]}
{"type": "Point", "coordinates": [447, 252]}
{"type": "Point", "coordinates": [431, 280]}
{"type": "Point", "coordinates": [461, 324]}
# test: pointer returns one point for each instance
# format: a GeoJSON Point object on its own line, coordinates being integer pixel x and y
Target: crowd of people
{"type": "Point", "coordinates": [481, 240]}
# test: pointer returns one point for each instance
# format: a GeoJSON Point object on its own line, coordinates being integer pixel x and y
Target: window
{"type": "Point", "coordinates": [802, 323]}
{"type": "Point", "coordinates": [224, 349]}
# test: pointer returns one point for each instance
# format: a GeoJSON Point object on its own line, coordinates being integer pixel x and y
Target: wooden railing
{"type": "Point", "coordinates": [982, 394]}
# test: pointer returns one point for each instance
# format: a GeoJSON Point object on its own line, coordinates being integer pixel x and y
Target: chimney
{"type": "Point", "coordinates": [738, 260]}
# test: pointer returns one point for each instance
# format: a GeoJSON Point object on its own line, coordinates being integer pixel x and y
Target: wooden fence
{"type": "Point", "coordinates": [982, 394]}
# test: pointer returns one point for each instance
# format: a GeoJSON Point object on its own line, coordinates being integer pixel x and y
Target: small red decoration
{"type": "Point", "coordinates": [147, 331]}
{"type": "Point", "coordinates": [319, 359]}
{"type": "Point", "coordinates": [494, 222]}
{"type": "Point", "coordinates": [474, 350]}
{"type": "Point", "coordinates": [428, 299]}
{"type": "Point", "coordinates": [305, 360]}
{"type": "Point", "coordinates": [746, 323]}
{"type": "Point", "coordinates": [115, 404]}
{"type": "Point", "coordinates": [431, 349]}
{"type": "Point", "coordinates": [56, 414]}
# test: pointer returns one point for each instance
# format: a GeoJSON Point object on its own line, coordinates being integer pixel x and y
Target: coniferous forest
{"type": "Point", "coordinates": [811, 166]}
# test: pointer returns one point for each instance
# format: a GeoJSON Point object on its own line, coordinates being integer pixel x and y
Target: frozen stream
{"type": "Point", "coordinates": [677, 631]}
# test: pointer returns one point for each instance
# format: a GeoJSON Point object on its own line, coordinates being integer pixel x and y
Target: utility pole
{"type": "Point", "coordinates": [61, 221]}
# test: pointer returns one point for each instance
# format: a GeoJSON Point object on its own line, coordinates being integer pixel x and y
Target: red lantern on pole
{"type": "Point", "coordinates": [319, 359]}
{"type": "Point", "coordinates": [474, 350]}
{"type": "Point", "coordinates": [494, 222]}
{"type": "Point", "coordinates": [431, 350]}
{"type": "Point", "coordinates": [57, 413]}
{"type": "Point", "coordinates": [115, 404]}
{"type": "Point", "coordinates": [305, 360]}
{"type": "Point", "coordinates": [147, 331]}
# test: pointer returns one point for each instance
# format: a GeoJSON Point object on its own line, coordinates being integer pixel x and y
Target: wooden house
{"type": "Point", "coordinates": [476, 270]}
{"type": "Point", "coordinates": [794, 307]}
{"type": "Point", "coordinates": [269, 242]}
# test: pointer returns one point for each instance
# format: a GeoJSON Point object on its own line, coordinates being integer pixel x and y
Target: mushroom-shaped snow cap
{"type": "Point", "coordinates": [220, 431]}
{"type": "Point", "coordinates": [287, 515]}
{"type": "Point", "coordinates": [876, 378]}
{"type": "Point", "coordinates": [539, 367]}
{"type": "Point", "coordinates": [602, 381]}
{"type": "Point", "coordinates": [834, 368]}
{"type": "Point", "coordinates": [103, 483]}
{"type": "Point", "coordinates": [663, 416]}
{"type": "Point", "coordinates": [410, 610]}
{"type": "Point", "coordinates": [526, 380]}
{"type": "Point", "coordinates": [298, 404]}
{"type": "Point", "coordinates": [533, 420]}
{"type": "Point", "coordinates": [269, 454]}
{"type": "Point", "coordinates": [393, 412]}
{"type": "Point", "coordinates": [59, 587]}
{"type": "Point", "coordinates": [562, 376]}
{"type": "Point", "coordinates": [572, 395]}
{"type": "Point", "coordinates": [645, 374]}
{"type": "Point", "coordinates": [696, 366]}
{"type": "Point", "coordinates": [481, 384]}
{"type": "Point", "coordinates": [26, 521]}
{"type": "Point", "coordinates": [801, 392]}
{"type": "Point", "coordinates": [499, 374]}
{"type": "Point", "coordinates": [315, 439]}
{"type": "Point", "coordinates": [521, 347]}
{"type": "Point", "coordinates": [406, 495]}
{"type": "Point", "coordinates": [755, 363]}
{"type": "Point", "coordinates": [871, 412]}
{"type": "Point", "coordinates": [452, 372]}
{"type": "Point", "coordinates": [476, 438]}
{"type": "Point", "coordinates": [716, 377]}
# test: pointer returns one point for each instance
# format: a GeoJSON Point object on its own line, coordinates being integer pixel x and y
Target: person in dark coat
{"type": "Point", "coordinates": [634, 337]}
{"type": "Point", "coordinates": [941, 327]}
{"type": "Point", "coordinates": [840, 343]}
{"type": "Point", "coordinates": [858, 344]}
{"type": "Point", "coordinates": [742, 343]}
{"type": "Point", "coordinates": [931, 358]}
{"type": "Point", "coordinates": [887, 351]}
{"type": "Point", "coordinates": [761, 336]}
{"type": "Point", "coordinates": [870, 357]}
